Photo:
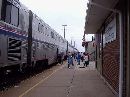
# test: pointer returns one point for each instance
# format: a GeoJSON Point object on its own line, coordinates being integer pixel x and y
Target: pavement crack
{"type": "Point", "coordinates": [71, 84]}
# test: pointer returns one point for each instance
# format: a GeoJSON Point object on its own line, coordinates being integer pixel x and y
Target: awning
{"type": "Point", "coordinates": [97, 12]}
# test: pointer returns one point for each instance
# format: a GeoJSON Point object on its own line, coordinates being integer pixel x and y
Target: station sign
{"type": "Point", "coordinates": [110, 31]}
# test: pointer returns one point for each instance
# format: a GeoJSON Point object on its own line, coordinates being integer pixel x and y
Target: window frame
{"type": "Point", "coordinates": [17, 16]}
{"type": "Point", "coordinates": [52, 35]}
{"type": "Point", "coordinates": [41, 28]}
{"type": "Point", "coordinates": [4, 13]}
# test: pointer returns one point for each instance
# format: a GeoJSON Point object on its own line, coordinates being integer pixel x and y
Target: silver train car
{"type": "Point", "coordinates": [26, 41]}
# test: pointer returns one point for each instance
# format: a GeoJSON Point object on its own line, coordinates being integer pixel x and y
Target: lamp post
{"type": "Point", "coordinates": [64, 29]}
{"type": "Point", "coordinates": [74, 43]}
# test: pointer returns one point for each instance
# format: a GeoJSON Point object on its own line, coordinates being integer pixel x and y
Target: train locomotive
{"type": "Point", "coordinates": [26, 41]}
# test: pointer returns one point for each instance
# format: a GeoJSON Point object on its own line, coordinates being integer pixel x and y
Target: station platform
{"type": "Point", "coordinates": [78, 81]}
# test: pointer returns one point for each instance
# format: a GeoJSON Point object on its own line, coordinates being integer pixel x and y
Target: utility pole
{"type": "Point", "coordinates": [64, 29]}
{"type": "Point", "coordinates": [71, 41]}
{"type": "Point", "coordinates": [74, 43]}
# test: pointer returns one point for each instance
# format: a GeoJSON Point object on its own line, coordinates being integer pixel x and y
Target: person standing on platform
{"type": "Point", "coordinates": [70, 59]}
{"type": "Point", "coordinates": [62, 57]}
{"type": "Point", "coordinates": [74, 55]}
{"type": "Point", "coordinates": [59, 58]}
{"type": "Point", "coordinates": [82, 56]}
{"type": "Point", "coordinates": [86, 60]}
{"type": "Point", "coordinates": [78, 58]}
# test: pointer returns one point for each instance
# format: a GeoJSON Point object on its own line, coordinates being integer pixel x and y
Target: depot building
{"type": "Point", "coordinates": [109, 21]}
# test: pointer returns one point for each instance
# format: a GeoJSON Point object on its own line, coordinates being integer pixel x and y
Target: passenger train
{"type": "Point", "coordinates": [26, 41]}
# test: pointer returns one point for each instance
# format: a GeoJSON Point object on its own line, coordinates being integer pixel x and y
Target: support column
{"type": "Point", "coordinates": [29, 50]}
{"type": "Point", "coordinates": [128, 50]}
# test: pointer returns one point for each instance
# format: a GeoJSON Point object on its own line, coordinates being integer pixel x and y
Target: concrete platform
{"type": "Point", "coordinates": [74, 82]}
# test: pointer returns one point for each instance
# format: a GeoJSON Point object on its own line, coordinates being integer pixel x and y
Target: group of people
{"type": "Point", "coordinates": [84, 57]}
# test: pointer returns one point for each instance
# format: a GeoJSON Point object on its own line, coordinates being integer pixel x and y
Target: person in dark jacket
{"type": "Point", "coordinates": [78, 58]}
{"type": "Point", "coordinates": [59, 58]}
{"type": "Point", "coordinates": [70, 59]}
{"type": "Point", "coordinates": [86, 60]}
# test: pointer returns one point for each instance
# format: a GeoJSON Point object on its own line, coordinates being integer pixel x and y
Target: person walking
{"type": "Point", "coordinates": [59, 58]}
{"type": "Point", "coordinates": [82, 56]}
{"type": "Point", "coordinates": [62, 57]}
{"type": "Point", "coordinates": [86, 60]}
{"type": "Point", "coordinates": [70, 59]}
{"type": "Point", "coordinates": [78, 58]}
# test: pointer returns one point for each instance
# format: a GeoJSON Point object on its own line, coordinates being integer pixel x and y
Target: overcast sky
{"type": "Point", "coordinates": [59, 12]}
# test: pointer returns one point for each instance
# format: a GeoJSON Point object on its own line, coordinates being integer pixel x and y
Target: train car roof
{"type": "Point", "coordinates": [22, 6]}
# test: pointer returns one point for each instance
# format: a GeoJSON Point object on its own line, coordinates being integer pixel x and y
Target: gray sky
{"type": "Point", "coordinates": [59, 12]}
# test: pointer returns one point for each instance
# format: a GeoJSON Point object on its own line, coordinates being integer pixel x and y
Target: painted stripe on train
{"type": "Point", "coordinates": [6, 32]}
{"type": "Point", "coordinates": [12, 30]}
{"type": "Point", "coordinates": [16, 34]}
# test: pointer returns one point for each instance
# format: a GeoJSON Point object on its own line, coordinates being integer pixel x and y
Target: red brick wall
{"type": "Point", "coordinates": [111, 58]}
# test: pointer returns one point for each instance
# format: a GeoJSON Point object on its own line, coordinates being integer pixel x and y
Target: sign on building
{"type": "Point", "coordinates": [110, 32]}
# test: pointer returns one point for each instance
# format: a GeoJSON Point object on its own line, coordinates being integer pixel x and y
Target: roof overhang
{"type": "Point", "coordinates": [97, 12]}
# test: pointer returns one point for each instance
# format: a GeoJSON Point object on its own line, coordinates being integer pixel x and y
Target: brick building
{"type": "Point", "coordinates": [109, 21]}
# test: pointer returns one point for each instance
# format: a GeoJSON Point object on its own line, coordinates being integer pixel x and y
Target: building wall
{"type": "Point", "coordinates": [111, 64]}
{"type": "Point", "coordinates": [128, 50]}
{"type": "Point", "coordinates": [111, 60]}
{"type": "Point", "coordinates": [108, 55]}
{"type": "Point", "coordinates": [111, 54]}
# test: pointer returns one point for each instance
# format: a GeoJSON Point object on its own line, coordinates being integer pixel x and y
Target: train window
{"type": "Point", "coordinates": [8, 14]}
{"type": "Point", "coordinates": [38, 44]}
{"type": "Point", "coordinates": [44, 46]}
{"type": "Point", "coordinates": [40, 28]}
{"type": "Point", "coordinates": [59, 39]}
{"type": "Point", "coordinates": [14, 16]}
{"type": "Point", "coordinates": [46, 30]}
{"type": "Point", "coordinates": [52, 35]}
